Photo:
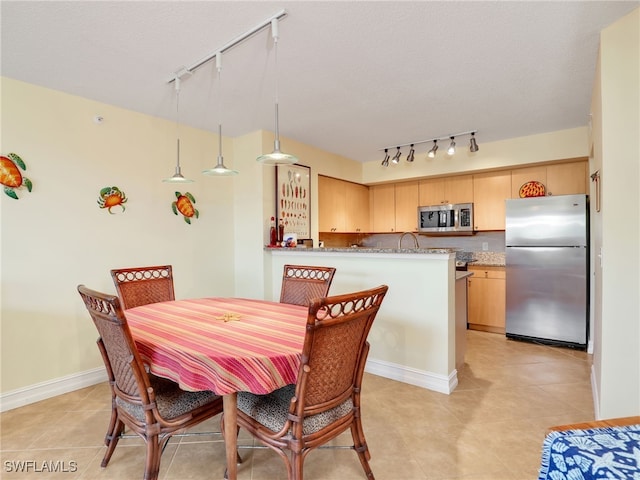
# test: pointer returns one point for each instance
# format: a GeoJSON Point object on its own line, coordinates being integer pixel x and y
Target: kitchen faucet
{"type": "Point", "coordinates": [415, 239]}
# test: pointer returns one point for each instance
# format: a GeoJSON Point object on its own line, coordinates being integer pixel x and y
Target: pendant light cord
{"type": "Point", "coordinates": [219, 68]}
{"type": "Point", "coordinates": [178, 121]}
{"type": "Point", "coordinates": [275, 34]}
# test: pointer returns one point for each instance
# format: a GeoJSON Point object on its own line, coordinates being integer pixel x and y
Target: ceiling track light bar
{"type": "Point", "coordinates": [261, 26]}
{"type": "Point", "coordinates": [445, 137]}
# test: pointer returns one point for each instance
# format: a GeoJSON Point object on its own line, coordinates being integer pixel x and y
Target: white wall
{"type": "Point", "coordinates": [57, 237]}
{"type": "Point", "coordinates": [617, 230]}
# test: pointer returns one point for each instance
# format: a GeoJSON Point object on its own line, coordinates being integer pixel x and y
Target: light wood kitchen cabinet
{"type": "Point", "coordinates": [487, 299]}
{"type": "Point", "coordinates": [558, 179]}
{"type": "Point", "coordinates": [520, 176]}
{"type": "Point", "coordinates": [567, 178]}
{"type": "Point", "coordinates": [455, 189]}
{"type": "Point", "coordinates": [357, 207]}
{"type": "Point", "coordinates": [342, 206]}
{"type": "Point", "coordinates": [406, 196]}
{"type": "Point", "coordinates": [383, 207]}
{"type": "Point", "coordinates": [490, 190]}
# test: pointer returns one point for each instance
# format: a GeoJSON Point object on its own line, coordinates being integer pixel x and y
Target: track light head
{"type": "Point", "coordinates": [411, 154]}
{"type": "Point", "coordinates": [396, 157]}
{"type": "Point", "coordinates": [452, 147]}
{"type": "Point", "coordinates": [434, 149]}
{"type": "Point", "coordinates": [473, 146]}
{"type": "Point", "coordinates": [385, 162]}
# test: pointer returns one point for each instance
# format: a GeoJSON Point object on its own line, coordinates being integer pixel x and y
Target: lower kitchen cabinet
{"type": "Point", "coordinates": [487, 299]}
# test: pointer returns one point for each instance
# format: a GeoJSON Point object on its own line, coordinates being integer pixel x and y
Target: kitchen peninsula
{"type": "Point", "coordinates": [413, 339]}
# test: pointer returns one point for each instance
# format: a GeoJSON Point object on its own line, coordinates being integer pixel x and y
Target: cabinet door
{"type": "Point", "coordinates": [356, 207]}
{"type": "Point", "coordinates": [490, 190]}
{"type": "Point", "coordinates": [383, 207]}
{"type": "Point", "coordinates": [431, 191]}
{"type": "Point", "coordinates": [520, 176]}
{"type": "Point", "coordinates": [459, 189]}
{"type": "Point", "coordinates": [406, 212]}
{"type": "Point", "coordinates": [331, 204]}
{"type": "Point", "coordinates": [567, 178]}
{"type": "Point", "coordinates": [487, 299]}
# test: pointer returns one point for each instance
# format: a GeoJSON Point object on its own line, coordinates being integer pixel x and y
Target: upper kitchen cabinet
{"type": "Point", "coordinates": [558, 179]}
{"type": "Point", "coordinates": [357, 207]}
{"type": "Point", "coordinates": [567, 178]}
{"type": "Point", "coordinates": [342, 206]}
{"type": "Point", "coordinates": [490, 190]}
{"type": "Point", "coordinates": [456, 189]}
{"type": "Point", "coordinates": [383, 207]}
{"type": "Point", "coordinates": [406, 195]}
{"type": "Point", "coordinates": [520, 176]}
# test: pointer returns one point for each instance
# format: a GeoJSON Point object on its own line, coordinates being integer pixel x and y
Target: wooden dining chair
{"type": "Point", "coordinates": [154, 408]}
{"type": "Point", "coordinates": [302, 283]}
{"type": "Point", "coordinates": [143, 285]}
{"type": "Point", "coordinates": [325, 401]}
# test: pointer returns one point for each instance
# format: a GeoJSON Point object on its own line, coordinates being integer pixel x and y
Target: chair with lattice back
{"type": "Point", "coordinates": [152, 407]}
{"type": "Point", "coordinates": [325, 401]}
{"type": "Point", "coordinates": [303, 283]}
{"type": "Point", "coordinates": [143, 285]}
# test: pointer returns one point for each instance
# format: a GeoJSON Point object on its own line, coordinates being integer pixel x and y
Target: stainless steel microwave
{"type": "Point", "coordinates": [452, 218]}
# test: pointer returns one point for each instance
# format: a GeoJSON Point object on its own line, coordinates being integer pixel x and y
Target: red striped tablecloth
{"type": "Point", "coordinates": [189, 342]}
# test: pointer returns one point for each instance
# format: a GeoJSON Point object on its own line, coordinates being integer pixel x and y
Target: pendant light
{"type": "Point", "coordinates": [220, 170]}
{"type": "Point", "coordinates": [276, 157]}
{"type": "Point", "coordinates": [177, 177]}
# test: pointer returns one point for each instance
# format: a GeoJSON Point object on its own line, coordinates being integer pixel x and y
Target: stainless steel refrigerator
{"type": "Point", "coordinates": [547, 269]}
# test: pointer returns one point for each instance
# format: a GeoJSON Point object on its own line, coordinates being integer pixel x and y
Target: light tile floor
{"type": "Point", "coordinates": [491, 427]}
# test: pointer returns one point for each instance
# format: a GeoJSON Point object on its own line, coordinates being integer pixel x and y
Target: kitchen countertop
{"type": "Point", "coordinates": [488, 259]}
{"type": "Point", "coordinates": [483, 259]}
{"type": "Point", "coordinates": [420, 251]}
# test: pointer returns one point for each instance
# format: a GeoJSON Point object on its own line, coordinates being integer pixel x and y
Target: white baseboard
{"type": "Point", "coordinates": [412, 376]}
{"type": "Point", "coordinates": [51, 388]}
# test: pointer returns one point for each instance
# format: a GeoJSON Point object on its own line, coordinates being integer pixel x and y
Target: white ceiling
{"type": "Point", "coordinates": [353, 76]}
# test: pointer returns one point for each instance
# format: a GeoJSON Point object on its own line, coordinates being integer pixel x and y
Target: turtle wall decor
{"type": "Point", "coordinates": [184, 205]}
{"type": "Point", "coordinates": [11, 176]}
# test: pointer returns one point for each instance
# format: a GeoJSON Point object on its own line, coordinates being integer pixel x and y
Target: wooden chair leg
{"type": "Point", "coordinates": [360, 446]}
{"type": "Point", "coordinates": [113, 441]}
{"type": "Point", "coordinates": [152, 464]}
{"type": "Point", "coordinates": [112, 424]}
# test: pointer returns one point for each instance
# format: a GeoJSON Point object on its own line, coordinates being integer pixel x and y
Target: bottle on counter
{"type": "Point", "coordinates": [273, 235]}
{"type": "Point", "coordinates": [281, 231]}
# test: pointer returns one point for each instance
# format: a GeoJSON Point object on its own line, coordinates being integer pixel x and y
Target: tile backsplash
{"type": "Point", "coordinates": [479, 242]}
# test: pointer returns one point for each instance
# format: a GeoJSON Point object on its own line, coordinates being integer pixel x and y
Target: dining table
{"type": "Point", "coordinates": [225, 345]}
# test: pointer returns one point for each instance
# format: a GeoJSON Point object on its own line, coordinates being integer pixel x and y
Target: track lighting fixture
{"type": "Point", "coordinates": [452, 147]}
{"type": "Point", "coordinates": [274, 158]}
{"type": "Point", "coordinates": [396, 157]}
{"type": "Point", "coordinates": [411, 154]}
{"type": "Point", "coordinates": [434, 149]}
{"type": "Point", "coordinates": [385, 162]}
{"type": "Point", "coordinates": [473, 147]}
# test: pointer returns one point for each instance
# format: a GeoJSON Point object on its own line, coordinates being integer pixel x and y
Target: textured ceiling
{"type": "Point", "coordinates": [353, 77]}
